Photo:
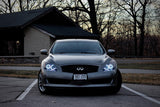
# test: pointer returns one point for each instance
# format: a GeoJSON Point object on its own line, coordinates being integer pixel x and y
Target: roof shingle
{"type": "Point", "coordinates": [18, 19]}
{"type": "Point", "coordinates": [65, 31]}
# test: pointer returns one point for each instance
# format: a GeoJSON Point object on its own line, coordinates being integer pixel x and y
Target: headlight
{"type": "Point", "coordinates": [111, 66]}
{"type": "Point", "coordinates": [51, 67]}
{"type": "Point", "coordinates": [108, 67]}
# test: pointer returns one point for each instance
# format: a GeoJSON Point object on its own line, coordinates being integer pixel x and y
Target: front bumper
{"type": "Point", "coordinates": [65, 80]}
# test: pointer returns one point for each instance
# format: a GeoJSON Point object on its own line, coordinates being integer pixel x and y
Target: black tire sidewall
{"type": "Point", "coordinates": [116, 88]}
{"type": "Point", "coordinates": [45, 91]}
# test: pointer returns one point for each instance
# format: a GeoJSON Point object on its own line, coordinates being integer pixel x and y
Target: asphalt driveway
{"type": "Point", "coordinates": [130, 95]}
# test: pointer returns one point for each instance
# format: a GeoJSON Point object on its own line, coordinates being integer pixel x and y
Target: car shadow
{"type": "Point", "coordinates": [80, 92]}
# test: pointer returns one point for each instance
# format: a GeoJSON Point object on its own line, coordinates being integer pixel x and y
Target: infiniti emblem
{"type": "Point", "coordinates": [79, 68]}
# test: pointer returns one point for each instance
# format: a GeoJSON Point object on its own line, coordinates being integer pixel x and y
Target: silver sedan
{"type": "Point", "coordinates": [78, 63]}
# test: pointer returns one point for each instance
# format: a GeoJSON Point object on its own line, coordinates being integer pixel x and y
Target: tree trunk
{"type": "Point", "coordinates": [21, 5]}
{"type": "Point", "coordinates": [9, 5]}
{"type": "Point", "coordinates": [135, 36]}
{"type": "Point", "coordinates": [141, 49]}
{"type": "Point", "coordinates": [142, 42]}
{"type": "Point", "coordinates": [142, 29]}
{"type": "Point", "coordinates": [93, 18]}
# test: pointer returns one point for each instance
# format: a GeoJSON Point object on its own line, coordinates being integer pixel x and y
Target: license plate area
{"type": "Point", "coordinates": [80, 77]}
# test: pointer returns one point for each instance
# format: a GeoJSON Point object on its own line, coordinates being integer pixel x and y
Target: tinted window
{"type": "Point", "coordinates": [77, 47]}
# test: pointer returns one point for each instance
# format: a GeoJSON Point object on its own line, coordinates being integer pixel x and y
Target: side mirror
{"type": "Point", "coordinates": [111, 51]}
{"type": "Point", "coordinates": [44, 51]}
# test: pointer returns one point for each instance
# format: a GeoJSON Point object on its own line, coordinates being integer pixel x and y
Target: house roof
{"type": "Point", "coordinates": [49, 19]}
{"type": "Point", "coordinates": [19, 18]}
{"type": "Point", "coordinates": [65, 31]}
{"type": "Point", "coordinates": [24, 18]}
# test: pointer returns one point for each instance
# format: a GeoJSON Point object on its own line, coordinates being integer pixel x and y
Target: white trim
{"type": "Point", "coordinates": [142, 95]}
{"type": "Point", "coordinates": [21, 97]}
{"type": "Point", "coordinates": [44, 32]}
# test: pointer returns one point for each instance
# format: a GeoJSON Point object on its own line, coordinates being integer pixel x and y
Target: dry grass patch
{"type": "Point", "coordinates": [145, 65]}
{"type": "Point", "coordinates": [21, 73]}
{"type": "Point", "coordinates": [153, 79]}
{"type": "Point", "coordinates": [25, 65]}
{"type": "Point", "coordinates": [18, 76]}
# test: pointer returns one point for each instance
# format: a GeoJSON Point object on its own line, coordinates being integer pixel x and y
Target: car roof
{"type": "Point", "coordinates": [76, 40]}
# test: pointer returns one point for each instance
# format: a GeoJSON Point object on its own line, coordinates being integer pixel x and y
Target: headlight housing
{"type": "Point", "coordinates": [50, 67]}
{"type": "Point", "coordinates": [110, 66]}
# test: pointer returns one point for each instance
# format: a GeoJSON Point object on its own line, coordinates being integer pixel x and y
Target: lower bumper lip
{"type": "Point", "coordinates": [78, 86]}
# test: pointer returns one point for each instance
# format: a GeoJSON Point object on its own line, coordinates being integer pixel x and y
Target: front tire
{"type": "Point", "coordinates": [118, 83]}
{"type": "Point", "coordinates": [41, 86]}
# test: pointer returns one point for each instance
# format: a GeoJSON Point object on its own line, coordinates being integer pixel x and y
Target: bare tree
{"type": "Point", "coordinates": [86, 8]}
{"type": "Point", "coordinates": [132, 7]}
{"type": "Point", "coordinates": [137, 10]}
{"type": "Point", "coordinates": [108, 26]}
{"type": "Point", "coordinates": [93, 15]}
{"type": "Point", "coordinates": [9, 6]}
{"type": "Point", "coordinates": [142, 25]}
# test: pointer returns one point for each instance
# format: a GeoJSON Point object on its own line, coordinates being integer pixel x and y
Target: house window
{"type": "Point", "coordinates": [14, 47]}
{"type": "Point", "coordinates": [11, 47]}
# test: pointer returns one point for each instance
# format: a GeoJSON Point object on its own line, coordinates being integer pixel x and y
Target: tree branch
{"type": "Point", "coordinates": [5, 2]}
{"type": "Point", "coordinates": [86, 10]}
{"type": "Point", "coordinates": [74, 9]}
{"type": "Point", "coordinates": [122, 6]}
{"type": "Point", "coordinates": [45, 3]}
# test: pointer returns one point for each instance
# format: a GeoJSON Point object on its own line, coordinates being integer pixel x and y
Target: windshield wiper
{"type": "Point", "coordinates": [88, 52]}
{"type": "Point", "coordinates": [76, 52]}
{"type": "Point", "coordinates": [61, 53]}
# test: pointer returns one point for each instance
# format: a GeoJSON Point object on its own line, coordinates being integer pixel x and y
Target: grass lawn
{"type": "Point", "coordinates": [151, 66]}
{"type": "Point", "coordinates": [20, 73]}
{"type": "Point", "coordinates": [152, 79]}
{"type": "Point", "coordinates": [25, 65]}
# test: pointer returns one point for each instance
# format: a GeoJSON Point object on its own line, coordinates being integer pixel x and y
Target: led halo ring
{"type": "Point", "coordinates": [51, 67]}
{"type": "Point", "coordinates": [108, 67]}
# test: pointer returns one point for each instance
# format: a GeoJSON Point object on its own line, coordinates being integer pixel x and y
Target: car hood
{"type": "Point", "coordinates": [79, 59]}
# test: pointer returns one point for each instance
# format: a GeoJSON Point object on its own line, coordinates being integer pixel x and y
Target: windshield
{"type": "Point", "coordinates": [82, 47]}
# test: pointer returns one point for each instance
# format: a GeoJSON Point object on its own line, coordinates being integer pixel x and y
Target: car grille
{"type": "Point", "coordinates": [80, 68]}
